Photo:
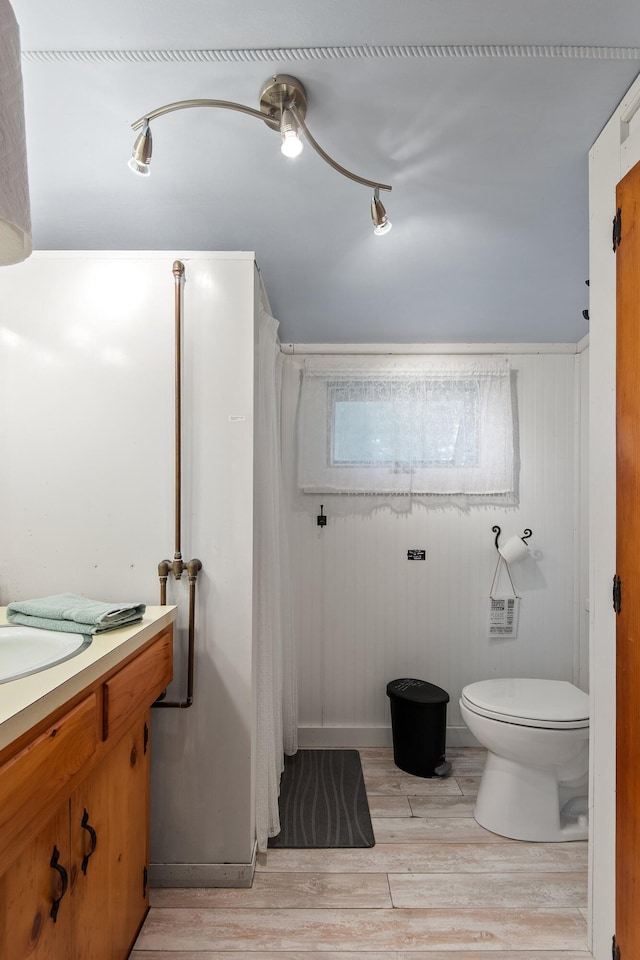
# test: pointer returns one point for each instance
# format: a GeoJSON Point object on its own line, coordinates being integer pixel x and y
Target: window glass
{"type": "Point", "coordinates": [433, 423]}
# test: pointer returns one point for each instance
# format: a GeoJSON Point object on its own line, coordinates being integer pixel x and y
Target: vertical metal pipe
{"type": "Point", "coordinates": [177, 565]}
{"type": "Point", "coordinates": [192, 636]}
{"type": "Point", "coordinates": [163, 572]}
{"type": "Point", "coordinates": [178, 273]}
{"type": "Point", "coordinates": [194, 568]}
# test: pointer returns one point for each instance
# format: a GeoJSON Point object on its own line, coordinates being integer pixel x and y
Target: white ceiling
{"type": "Point", "coordinates": [485, 146]}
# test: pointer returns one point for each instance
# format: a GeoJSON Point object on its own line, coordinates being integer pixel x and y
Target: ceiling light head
{"type": "Point", "coordinates": [141, 153]}
{"type": "Point", "coordinates": [381, 223]}
{"type": "Point", "coordinates": [291, 142]}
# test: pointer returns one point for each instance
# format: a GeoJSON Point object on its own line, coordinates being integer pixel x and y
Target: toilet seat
{"type": "Point", "coordinates": [547, 704]}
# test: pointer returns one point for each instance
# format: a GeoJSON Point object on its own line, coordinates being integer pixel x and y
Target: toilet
{"type": "Point", "coordinates": [534, 784]}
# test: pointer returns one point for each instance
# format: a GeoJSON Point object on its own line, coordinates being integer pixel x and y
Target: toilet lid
{"type": "Point", "coordinates": [548, 703]}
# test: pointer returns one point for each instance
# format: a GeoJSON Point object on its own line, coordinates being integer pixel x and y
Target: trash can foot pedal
{"type": "Point", "coordinates": [443, 770]}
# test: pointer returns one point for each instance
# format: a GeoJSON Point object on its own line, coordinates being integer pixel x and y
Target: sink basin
{"type": "Point", "coordinates": [27, 650]}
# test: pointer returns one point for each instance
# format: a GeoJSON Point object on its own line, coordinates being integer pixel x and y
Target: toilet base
{"type": "Point", "coordinates": [525, 803]}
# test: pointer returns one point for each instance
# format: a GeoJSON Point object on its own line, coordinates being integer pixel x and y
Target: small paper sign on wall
{"type": "Point", "coordinates": [503, 616]}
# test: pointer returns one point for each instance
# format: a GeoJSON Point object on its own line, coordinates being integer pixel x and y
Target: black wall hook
{"type": "Point", "coordinates": [321, 520]}
{"type": "Point", "coordinates": [497, 532]}
{"type": "Point", "coordinates": [525, 536]}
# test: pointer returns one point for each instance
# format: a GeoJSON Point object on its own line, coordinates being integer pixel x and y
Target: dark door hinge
{"type": "Point", "coordinates": [617, 229]}
{"type": "Point", "coordinates": [615, 949]}
{"type": "Point", "coordinates": [617, 593]}
{"type": "Point", "coordinates": [146, 737]}
{"type": "Point", "coordinates": [145, 880]}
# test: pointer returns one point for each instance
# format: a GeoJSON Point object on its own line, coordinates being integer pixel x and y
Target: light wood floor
{"type": "Point", "coordinates": [435, 886]}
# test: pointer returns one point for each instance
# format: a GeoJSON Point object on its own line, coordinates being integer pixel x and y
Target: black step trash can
{"type": "Point", "coordinates": [419, 727]}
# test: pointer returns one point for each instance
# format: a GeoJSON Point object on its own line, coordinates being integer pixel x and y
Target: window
{"type": "Point", "coordinates": [439, 427]}
{"type": "Point", "coordinates": [426, 423]}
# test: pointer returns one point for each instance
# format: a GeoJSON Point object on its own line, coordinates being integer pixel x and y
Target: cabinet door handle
{"type": "Point", "coordinates": [64, 878]}
{"type": "Point", "coordinates": [87, 826]}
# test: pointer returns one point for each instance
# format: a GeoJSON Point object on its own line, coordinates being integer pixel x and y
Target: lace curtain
{"type": "Point", "coordinates": [438, 427]}
{"type": "Point", "coordinates": [276, 699]}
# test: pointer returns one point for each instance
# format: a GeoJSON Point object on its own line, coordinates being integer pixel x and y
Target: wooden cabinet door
{"type": "Point", "coordinates": [35, 899]}
{"type": "Point", "coordinates": [128, 772]}
{"type": "Point", "coordinates": [90, 867]}
{"type": "Point", "coordinates": [628, 568]}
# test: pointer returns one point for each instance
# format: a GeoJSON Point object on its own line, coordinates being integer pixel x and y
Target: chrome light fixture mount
{"type": "Point", "coordinates": [282, 107]}
{"type": "Point", "coordinates": [281, 93]}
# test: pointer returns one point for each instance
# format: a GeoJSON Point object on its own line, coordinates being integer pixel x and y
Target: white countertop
{"type": "Point", "coordinates": [26, 701]}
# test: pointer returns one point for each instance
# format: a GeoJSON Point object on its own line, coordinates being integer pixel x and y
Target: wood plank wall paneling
{"type": "Point", "coordinates": [365, 615]}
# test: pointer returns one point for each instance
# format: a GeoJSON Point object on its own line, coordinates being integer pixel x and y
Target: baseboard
{"type": "Point", "coordinates": [461, 737]}
{"type": "Point", "coordinates": [316, 736]}
{"type": "Point", "coordinates": [202, 874]}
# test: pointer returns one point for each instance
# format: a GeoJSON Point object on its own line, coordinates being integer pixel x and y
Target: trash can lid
{"type": "Point", "coordinates": [416, 691]}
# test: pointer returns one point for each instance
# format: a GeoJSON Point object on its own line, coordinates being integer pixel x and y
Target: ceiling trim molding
{"type": "Point", "coordinates": [366, 52]}
{"type": "Point", "coordinates": [425, 349]}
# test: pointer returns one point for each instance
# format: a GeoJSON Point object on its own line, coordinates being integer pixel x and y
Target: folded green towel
{"type": "Point", "coordinates": [73, 614]}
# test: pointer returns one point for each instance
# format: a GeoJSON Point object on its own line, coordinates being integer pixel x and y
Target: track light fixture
{"type": "Point", "coordinates": [141, 153]}
{"type": "Point", "coordinates": [381, 223]}
{"type": "Point", "coordinates": [283, 107]}
{"type": "Point", "coordinates": [291, 142]}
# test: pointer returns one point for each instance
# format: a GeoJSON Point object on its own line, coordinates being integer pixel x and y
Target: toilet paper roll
{"type": "Point", "coordinates": [514, 549]}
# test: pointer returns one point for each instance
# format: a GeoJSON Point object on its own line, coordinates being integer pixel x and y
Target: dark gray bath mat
{"type": "Point", "coordinates": [323, 801]}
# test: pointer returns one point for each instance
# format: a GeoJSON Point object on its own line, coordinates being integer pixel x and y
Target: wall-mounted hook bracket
{"type": "Point", "coordinates": [321, 520]}
{"type": "Point", "coordinates": [497, 532]}
{"type": "Point", "coordinates": [525, 536]}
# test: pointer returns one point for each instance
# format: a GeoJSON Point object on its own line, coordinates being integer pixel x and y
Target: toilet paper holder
{"type": "Point", "coordinates": [512, 546]}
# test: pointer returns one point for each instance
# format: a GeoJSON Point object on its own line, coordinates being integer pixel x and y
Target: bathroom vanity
{"type": "Point", "coordinates": [74, 796]}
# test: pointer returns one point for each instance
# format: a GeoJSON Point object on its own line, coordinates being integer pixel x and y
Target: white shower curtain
{"type": "Point", "coordinates": [276, 705]}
